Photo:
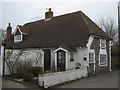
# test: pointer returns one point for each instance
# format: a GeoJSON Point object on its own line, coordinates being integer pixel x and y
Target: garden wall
{"type": "Point", "coordinates": [51, 79]}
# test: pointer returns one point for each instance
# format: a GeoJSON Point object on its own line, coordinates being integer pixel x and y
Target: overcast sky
{"type": "Point", "coordinates": [23, 11]}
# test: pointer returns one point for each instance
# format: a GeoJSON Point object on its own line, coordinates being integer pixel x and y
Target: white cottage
{"type": "Point", "coordinates": [67, 42]}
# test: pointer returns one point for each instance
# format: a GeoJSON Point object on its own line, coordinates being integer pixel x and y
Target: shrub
{"type": "Point", "coordinates": [28, 77]}
{"type": "Point", "coordinates": [19, 75]}
{"type": "Point", "coordinates": [77, 67]}
{"type": "Point", "coordinates": [116, 66]}
{"type": "Point", "coordinates": [34, 70]}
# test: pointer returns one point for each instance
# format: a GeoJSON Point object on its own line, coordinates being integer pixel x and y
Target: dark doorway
{"type": "Point", "coordinates": [47, 59]}
{"type": "Point", "coordinates": [61, 60]}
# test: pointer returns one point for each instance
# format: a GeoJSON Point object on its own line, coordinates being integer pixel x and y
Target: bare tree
{"type": "Point", "coordinates": [38, 58]}
{"type": "Point", "coordinates": [110, 27]}
{"type": "Point", "coordinates": [11, 63]}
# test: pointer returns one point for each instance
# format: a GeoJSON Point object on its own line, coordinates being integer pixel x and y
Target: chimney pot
{"type": "Point", "coordinates": [9, 25]}
{"type": "Point", "coordinates": [49, 14]}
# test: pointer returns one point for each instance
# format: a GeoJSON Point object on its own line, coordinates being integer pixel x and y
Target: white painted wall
{"type": "Point", "coordinates": [71, 64]}
{"type": "Point", "coordinates": [79, 56]}
{"type": "Point", "coordinates": [1, 60]}
{"type": "Point", "coordinates": [29, 56]}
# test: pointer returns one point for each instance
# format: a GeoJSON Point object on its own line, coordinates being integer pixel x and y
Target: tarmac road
{"type": "Point", "coordinates": [103, 80]}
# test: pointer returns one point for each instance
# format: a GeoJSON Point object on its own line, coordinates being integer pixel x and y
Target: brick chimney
{"type": "Point", "coordinates": [9, 32]}
{"type": "Point", "coordinates": [49, 14]}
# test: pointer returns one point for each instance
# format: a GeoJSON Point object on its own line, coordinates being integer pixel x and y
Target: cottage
{"type": "Point", "coordinates": [66, 42]}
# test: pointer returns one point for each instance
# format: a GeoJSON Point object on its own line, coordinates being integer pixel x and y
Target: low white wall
{"type": "Point", "coordinates": [51, 79]}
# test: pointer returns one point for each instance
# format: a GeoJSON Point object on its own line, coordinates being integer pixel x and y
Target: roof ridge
{"type": "Point", "coordinates": [53, 17]}
{"type": "Point", "coordinates": [86, 22]}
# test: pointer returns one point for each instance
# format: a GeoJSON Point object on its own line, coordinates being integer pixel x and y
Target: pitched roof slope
{"type": "Point", "coordinates": [67, 30]}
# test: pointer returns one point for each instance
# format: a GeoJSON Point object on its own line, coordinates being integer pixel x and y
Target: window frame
{"type": "Point", "coordinates": [17, 40]}
{"type": "Point", "coordinates": [91, 57]}
{"type": "Point", "coordinates": [93, 52]}
{"type": "Point", "coordinates": [105, 61]}
{"type": "Point", "coordinates": [102, 44]}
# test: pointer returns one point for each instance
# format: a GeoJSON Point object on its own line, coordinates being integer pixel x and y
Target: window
{"type": "Point", "coordinates": [103, 59]}
{"type": "Point", "coordinates": [91, 57]}
{"type": "Point", "coordinates": [103, 44]}
{"type": "Point", "coordinates": [17, 38]}
{"type": "Point", "coordinates": [59, 55]}
{"type": "Point", "coordinates": [71, 56]}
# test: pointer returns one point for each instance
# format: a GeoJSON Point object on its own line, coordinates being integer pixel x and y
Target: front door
{"type": "Point", "coordinates": [61, 60]}
{"type": "Point", "coordinates": [47, 59]}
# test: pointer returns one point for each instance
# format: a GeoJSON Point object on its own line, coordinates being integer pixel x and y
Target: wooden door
{"type": "Point", "coordinates": [47, 59]}
{"type": "Point", "coordinates": [61, 60]}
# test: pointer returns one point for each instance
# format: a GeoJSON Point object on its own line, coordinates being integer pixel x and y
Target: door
{"type": "Point", "coordinates": [47, 59]}
{"type": "Point", "coordinates": [61, 60]}
{"type": "Point", "coordinates": [91, 68]}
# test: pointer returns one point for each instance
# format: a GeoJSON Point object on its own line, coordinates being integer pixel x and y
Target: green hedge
{"type": "Point", "coordinates": [28, 77]}
{"type": "Point", "coordinates": [115, 51]}
{"type": "Point", "coordinates": [34, 70]}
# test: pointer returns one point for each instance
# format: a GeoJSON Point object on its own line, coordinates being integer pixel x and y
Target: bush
{"type": "Point", "coordinates": [77, 67]}
{"type": "Point", "coordinates": [28, 77]}
{"type": "Point", "coordinates": [115, 51]}
{"type": "Point", "coordinates": [19, 75]}
{"type": "Point", "coordinates": [34, 70]}
{"type": "Point", "coordinates": [116, 67]}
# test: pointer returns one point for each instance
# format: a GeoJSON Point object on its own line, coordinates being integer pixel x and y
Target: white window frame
{"type": "Point", "coordinates": [100, 60]}
{"type": "Point", "coordinates": [16, 40]}
{"type": "Point", "coordinates": [93, 52]}
{"type": "Point", "coordinates": [102, 44]}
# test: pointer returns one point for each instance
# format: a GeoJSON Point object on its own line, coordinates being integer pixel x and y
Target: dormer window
{"type": "Point", "coordinates": [17, 38]}
{"type": "Point", "coordinates": [103, 44]}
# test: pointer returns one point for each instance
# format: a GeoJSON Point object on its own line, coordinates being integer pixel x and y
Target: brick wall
{"type": "Point", "coordinates": [96, 46]}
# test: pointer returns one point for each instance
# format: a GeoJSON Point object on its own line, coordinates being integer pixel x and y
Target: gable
{"type": "Point", "coordinates": [17, 32]}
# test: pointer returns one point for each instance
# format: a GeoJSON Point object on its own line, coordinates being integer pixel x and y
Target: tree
{"type": "Point", "coordinates": [11, 63]}
{"type": "Point", "coordinates": [109, 26]}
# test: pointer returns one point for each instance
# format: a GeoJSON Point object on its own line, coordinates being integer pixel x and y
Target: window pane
{"type": "Point", "coordinates": [103, 44]}
{"type": "Point", "coordinates": [59, 55]}
{"type": "Point", "coordinates": [18, 37]}
{"type": "Point", "coordinates": [103, 60]}
{"type": "Point", "coordinates": [91, 57]}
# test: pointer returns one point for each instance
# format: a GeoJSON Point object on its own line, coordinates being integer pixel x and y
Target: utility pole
{"type": "Point", "coordinates": [119, 19]}
{"type": "Point", "coordinates": [119, 27]}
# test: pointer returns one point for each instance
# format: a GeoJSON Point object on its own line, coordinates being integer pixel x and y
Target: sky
{"type": "Point", "coordinates": [19, 12]}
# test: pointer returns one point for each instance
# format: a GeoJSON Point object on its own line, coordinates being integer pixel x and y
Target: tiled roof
{"type": "Point", "coordinates": [69, 30]}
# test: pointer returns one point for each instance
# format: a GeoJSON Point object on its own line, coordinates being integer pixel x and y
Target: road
{"type": "Point", "coordinates": [103, 80]}
{"type": "Point", "coordinates": [0, 82]}
{"type": "Point", "coordinates": [12, 84]}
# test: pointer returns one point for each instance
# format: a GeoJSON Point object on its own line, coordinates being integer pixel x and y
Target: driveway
{"type": "Point", "coordinates": [0, 82]}
{"type": "Point", "coordinates": [12, 84]}
{"type": "Point", "coordinates": [103, 80]}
